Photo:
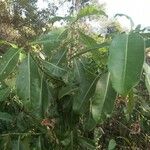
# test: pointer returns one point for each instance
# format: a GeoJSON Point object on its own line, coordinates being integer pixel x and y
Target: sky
{"type": "Point", "coordinates": [138, 10]}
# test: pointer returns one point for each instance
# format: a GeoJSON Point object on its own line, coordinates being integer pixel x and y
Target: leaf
{"type": "Point", "coordinates": [87, 40]}
{"type": "Point", "coordinates": [125, 61]}
{"type": "Point", "coordinates": [147, 43]}
{"type": "Point", "coordinates": [8, 62]}
{"type": "Point", "coordinates": [53, 70]}
{"type": "Point", "coordinates": [16, 144]}
{"type": "Point", "coordinates": [59, 57]}
{"type": "Point", "coordinates": [87, 82]}
{"type": "Point", "coordinates": [52, 40]}
{"type": "Point", "coordinates": [90, 10]}
{"type": "Point", "coordinates": [4, 93]}
{"type": "Point", "coordinates": [147, 76]}
{"type": "Point", "coordinates": [68, 90]}
{"type": "Point", "coordinates": [86, 143]}
{"type": "Point", "coordinates": [91, 49]}
{"type": "Point", "coordinates": [25, 143]}
{"type": "Point", "coordinates": [103, 99]}
{"type": "Point", "coordinates": [92, 46]}
{"type": "Point", "coordinates": [29, 85]}
{"type": "Point", "coordinates": [44, 98]}
{"type": "Point", "coordinates": [6, 117]}
{"type": "Point", "coordinates": [112, 144]}
{"type": "Point", "coordinates": [89, 123]}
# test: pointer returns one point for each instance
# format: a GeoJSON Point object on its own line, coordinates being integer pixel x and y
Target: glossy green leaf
{"type": "Point", "coordinates": [29, 85]}
{"type": "Point", "coordinates": [8, 62]}
{"type": "Point", "coordinates": [5, 117]}
{"type": "Point", "coordinates": [53, 70]}
{"type": "Point", "coordinates": [87, 82]}
{"type": "Point", "coordinates": [125, 62]}
{"type": "Point", "coordinates": [90, 10]}
{"type": "Point", "coordinates": [103, 99]}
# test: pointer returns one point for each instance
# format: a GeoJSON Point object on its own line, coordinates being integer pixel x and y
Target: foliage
{"type": "Point", "coordinates": [59, 94]}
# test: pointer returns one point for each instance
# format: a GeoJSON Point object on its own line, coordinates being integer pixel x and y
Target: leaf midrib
{"type": "Point", "coordinates": [29, 75]}
{"type": "Point", "coordinates": [125, 62]}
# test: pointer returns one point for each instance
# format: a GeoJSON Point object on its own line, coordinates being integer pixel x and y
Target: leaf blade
{"type": "Point", "coordinates": [8, 62]}
{"type": "Point", "coordinates": [124, 67]}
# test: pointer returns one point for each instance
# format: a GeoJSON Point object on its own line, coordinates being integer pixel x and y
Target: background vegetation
{"type": "Point", "coordinates": [70, 87]}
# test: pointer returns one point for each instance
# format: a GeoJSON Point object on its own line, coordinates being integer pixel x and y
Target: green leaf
{"type": "Point", "coordinates": [147, 43]}
{"type": "Point", "coordinates": [25, 143]}
{"type": "Point", "coordinates": [59, 57]}
{"type": "Point", "coordinates": [8, 62]}
{"type": "Point", "coordinates": [86, 143]}
{"type": "Point", "coordinates": [4, 93]}
{"type": "Point", "coordinates": [44, 98]}
{"type": "Point", "coordinates": [87, 82]}
{"type": "Point", "coordinates": [87, 40]}
{"type": "Point", "coordinates": [89, 123]}
{"type": "Point", "coordinates": [92, 46]}
{"type": "Point", "coordinates": [125, 62]}
{"type": "Point", "coordinates": [68, 90]}
{"type": "Point", "coordinates": [29, 85]}
{"type": "Point", "coordinates": [103, 99]}
{"type": "Point", "coordinates": [90, 10]}
{"type": "Point", "coordinates": [112, 144]}
{"type": "Point", "coordinates": [53, 70]}
{"type": "Point", "coordinates": [52, 40]}
{"type": "Point", "coordinates": [6, 117]}
{"type": "Point", "coordinates": [16, 144]}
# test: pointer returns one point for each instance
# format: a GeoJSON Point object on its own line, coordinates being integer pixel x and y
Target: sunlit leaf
{"type": "Point", "coordinates": [8, 62]}
{"type": "Point", "coordinates": [125, 62]}
{"type": "Point", "coordinates": [90, 10]}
